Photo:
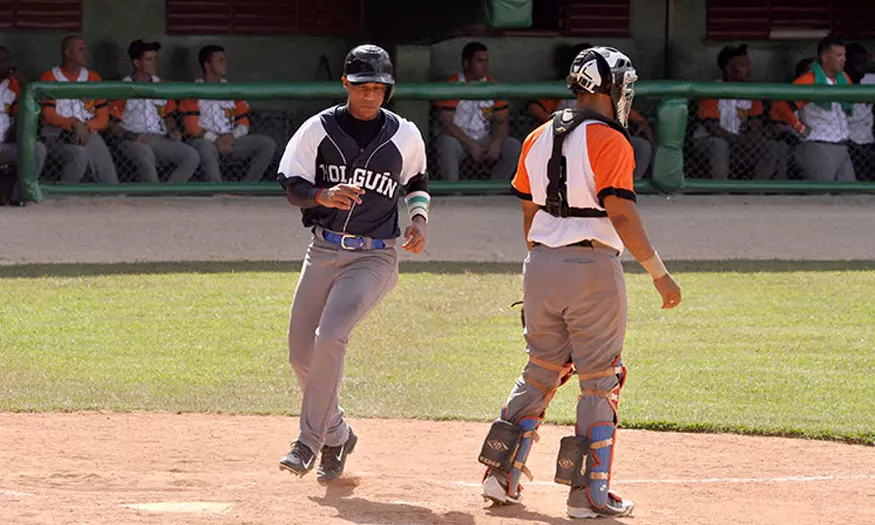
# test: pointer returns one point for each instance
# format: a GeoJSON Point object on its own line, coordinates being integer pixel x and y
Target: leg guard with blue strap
{"type": "Point", "coordinates": [584, 461]}
{"type": "Point", "coordinates": [508, 444]}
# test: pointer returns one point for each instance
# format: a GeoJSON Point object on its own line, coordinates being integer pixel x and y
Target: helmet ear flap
{"type": "Point", "coordinates": [390, 90]}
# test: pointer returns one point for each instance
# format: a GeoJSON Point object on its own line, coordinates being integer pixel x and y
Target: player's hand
{"type": "Point", "coordinates": [175, 136]}
{"type": "Point", "coordinates": [669, 290]}
{"type": "Point", "coordinates": [477, 152]}
{"type": "Point", "coordinates": [493, 152]}
{"type": "Point", "coordinates": [225, 143]}
{"type": "Point", "coordinates": [414, 235]}
{"type": "Point", "coordinates": [342, 196]}
{"type": "Point", "coordinates": [143, 137]}
{"type": "Point", "coordinates": [81, 132]}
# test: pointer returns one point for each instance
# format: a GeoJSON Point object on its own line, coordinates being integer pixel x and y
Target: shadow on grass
{"type": "Point", "coordinates": [437, 267]}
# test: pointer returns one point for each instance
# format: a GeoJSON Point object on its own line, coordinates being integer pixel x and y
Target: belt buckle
{"type": "Point", "coordinates": [343, 239]}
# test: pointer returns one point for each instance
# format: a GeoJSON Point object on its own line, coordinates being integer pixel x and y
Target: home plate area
{"type": "Point", "coordinates": [110, 468]}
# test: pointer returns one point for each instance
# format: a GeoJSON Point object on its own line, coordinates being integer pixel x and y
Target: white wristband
{"type": "Point", "coordinates": [655, 267]}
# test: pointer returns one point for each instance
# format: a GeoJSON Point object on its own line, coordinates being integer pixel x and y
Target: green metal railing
{"type": "Point", "coordinates": [668, 163]}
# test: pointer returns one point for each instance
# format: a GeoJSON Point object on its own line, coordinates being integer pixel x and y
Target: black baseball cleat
{"type": "Point", "coordinates": [299, 460]}
{"type": "Point", "coordinates": [334, 459]}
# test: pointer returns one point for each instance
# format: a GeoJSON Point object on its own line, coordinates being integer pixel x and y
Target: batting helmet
{"type": "Point", "coordinates": [369, 63]}
{"type": "Point", "coordinates": [607, 71]}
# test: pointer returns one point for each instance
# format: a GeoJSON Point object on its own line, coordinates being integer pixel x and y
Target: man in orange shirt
{"type": "Point", "coordinates": [72, 126]}
{"type": "Point", "coordinates": [222, 126]}
{"type": "Point", "coordinates": [146, 126]}
{"type": "Point", "coordinates": [730, 137]}
{"type": "Point", "coordinates": [475, 128]}
{"type": "Point", "coordinates": [578, 201]}
{"type": "Point", "coordinates": [823, 155]}
{"type": "Point", "coordinates": [10, 89]}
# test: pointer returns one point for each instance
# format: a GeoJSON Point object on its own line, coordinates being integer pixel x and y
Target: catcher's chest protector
{"type": "Point", "coordinates": [564, 122]}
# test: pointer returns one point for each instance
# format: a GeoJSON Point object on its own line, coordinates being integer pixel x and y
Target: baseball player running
{"type": "Point", "coordinates": [576, 184]}
{"type": "Point", "coordinates": [346, 168]}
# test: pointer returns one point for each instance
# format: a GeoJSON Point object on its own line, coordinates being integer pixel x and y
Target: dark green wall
{"type": "Point", "coordinates": [110, 25]}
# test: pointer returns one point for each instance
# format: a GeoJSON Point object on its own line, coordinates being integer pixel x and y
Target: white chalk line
{"type": "Point", "coordinates": [13, 493]}
{"type": "Point", "coordinates": [781, 479]}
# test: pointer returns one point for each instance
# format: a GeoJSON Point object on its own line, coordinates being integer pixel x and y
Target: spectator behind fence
{"type": "Point", "coordinates": [11, 83]}
{"type": "Point", "coordinates": [730, 132]}
{"type": "Point", "coordinates": [859, 68]}
{"type": "Point", "coordinates": [542, 109]}
{"type": "Point", "coordinates": [72, 126]}
{"type": "Point", "coordinates": [787, 130]}
{"type": "Point", "coordinates": [476, 128]}
{"type": "Point", "coordinates": [824, 154]}
{"type": "Point", "coordinates": [222, 126]}
{"type": "Point", "coordinates": [147, 127]}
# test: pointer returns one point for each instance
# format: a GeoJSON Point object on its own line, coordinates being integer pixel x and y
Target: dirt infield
{"type": "Point", "coordinates": [145, 468]}
{"type": "Point", "coordinates": [97, 468]}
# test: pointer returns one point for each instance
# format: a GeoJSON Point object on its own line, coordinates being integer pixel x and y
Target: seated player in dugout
{"type": "Point", "coordinates": [786, 128]}
{"type": "Point", "coordinates": [72, 127]}
{"type": "Point", "coordinates": [861, 70]}
{"type": "Point", "coordinates": [146, 127]}
{"type": "Point", "coordinates": [642, 134]}
{"type": "Point", "coordinates": [222, 127]}
{"type": "Point", "coordinates": [729, 137]}
{"type": "Point", "coordinates": [12, 81]}
{"type": "Point", "coordinates": [478, 129]}
{"type": "Point", "coordinates": [823, 154]}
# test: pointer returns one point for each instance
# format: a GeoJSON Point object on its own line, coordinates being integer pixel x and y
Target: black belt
{"type": "Point", "coordinates": [585, 244]}
{"type": "Point", "coordinates": [582, 212]}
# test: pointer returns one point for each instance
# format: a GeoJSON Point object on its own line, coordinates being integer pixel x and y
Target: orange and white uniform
{"type": "Point", "coordinates": [208, 119]}
{"type": "Point", "coordinates": [9, 90]}
{"type": "Point", "coordinates": [142, 115]}
{"type": "Point", "coordinates": [732, 115]}
{"type": "Point", "coordinates": [473, 116]}
{"type": "Point", "coordinates": [826, 125]}
{"type": "Point", "coordinates": [61, 113]}
{"type": "Point", "coordinates": [600, 162]}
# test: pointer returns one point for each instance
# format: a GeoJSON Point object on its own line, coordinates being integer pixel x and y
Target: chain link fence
{"type": "Point", "coordinates": [770, 140]}
{"type": "Point", "coordinates": [523, 116]}
{"type": "Point", "coordinates": [160, 141]}
{"type": "Point", "coordinates": [149, 140]}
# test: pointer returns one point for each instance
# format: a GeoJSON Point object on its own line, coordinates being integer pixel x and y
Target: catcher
{"type": "Point", "coordinates": [576, 184]}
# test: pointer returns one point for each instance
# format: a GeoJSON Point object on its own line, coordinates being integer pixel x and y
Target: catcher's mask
{"type": "Point", "coordinates": [607, 71]}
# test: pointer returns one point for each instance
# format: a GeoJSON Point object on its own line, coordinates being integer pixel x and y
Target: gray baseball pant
{"type": "Point", "coordinates": [336, 290]}
{"type": "Point", "coordinates": [574, 300]}
{"type": "Point", "coordinates": [257, 147]}
{"type": "Point", "coordinates": [10, 153]}
{"type": "Point", "coordinates": [822, 161]}
{"type": "Point", "coordinates": [451, 153]}
{"type": "Point", "coordinates": [145, 156]}
{"type": "Point", "coordinates": [76, 158]}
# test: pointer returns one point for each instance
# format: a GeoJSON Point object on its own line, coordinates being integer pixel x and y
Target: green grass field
{"type": "Point", "coordinates": [763, 347]}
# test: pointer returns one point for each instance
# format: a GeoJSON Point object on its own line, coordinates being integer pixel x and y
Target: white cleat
{"type": "Point", "coordinates": [495, 492]}
{"type": "Point", "coordinates": [616, 507]}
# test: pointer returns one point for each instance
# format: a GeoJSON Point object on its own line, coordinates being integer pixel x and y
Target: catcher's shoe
{"type": "Point", "coordinates": [334, 459]}
{"type": "Point", "coordinates": [299, 460]}
{"type": "Point", "coordinates": [493, 490]}
{"type": "Point", "coordinates": [616, 507]}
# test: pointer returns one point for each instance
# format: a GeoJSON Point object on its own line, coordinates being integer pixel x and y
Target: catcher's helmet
{"type": "Point", "coordinates": [607, 71]}
{"type": "Point", "coordinates": [369, 63]}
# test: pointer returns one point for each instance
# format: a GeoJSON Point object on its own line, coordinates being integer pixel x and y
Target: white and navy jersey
{"type": "Point", "coordinates": [324, 155]}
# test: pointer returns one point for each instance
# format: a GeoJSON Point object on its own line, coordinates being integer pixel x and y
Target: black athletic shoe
{"type": "Point", "coordinates": [334, 459]}
{"type": "Point", "coordinates": [299, 461]}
